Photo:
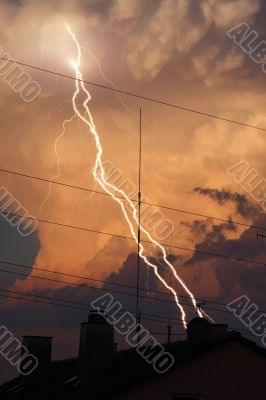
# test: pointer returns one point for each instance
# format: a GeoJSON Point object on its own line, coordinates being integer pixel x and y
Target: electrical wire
{"type": "Point", "coordinates": [233, 258]}
{"type": "Point", "coordinates": [153, 100]}
{"type": "Point", "coordinates": [98, 192]}
{"type": "Point", "coordinates": [52, 299]}
{"type": "Point", "coordinates": [82, 285]}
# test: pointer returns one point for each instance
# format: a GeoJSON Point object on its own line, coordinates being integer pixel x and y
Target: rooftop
{"type": "Point", "coordinates": [129, 369]}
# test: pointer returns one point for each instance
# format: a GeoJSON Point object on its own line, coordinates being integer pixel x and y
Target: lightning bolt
{"type": "Point", "coordinates": [62, 134]}
{"type": "Point", "coordinates": [148, 269]}
{"type": "Point", "coordinates": [126, 107]}
{"type": "Point", "coordinates": [113, 191]}
{"type": "Point", "coordinates": [59, 137]}
{"type": "Point", "coordinates": [206, 315]}
{"type": "Point", "coordinates": [110, 82]}
{"type": "Point", "coordinates": [120, 98]}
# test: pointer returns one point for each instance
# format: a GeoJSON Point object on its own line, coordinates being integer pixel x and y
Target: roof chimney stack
{"type": "Point", "coordinates": [199, 330]}
{"type": "Point", "coordinates": [41, 348]}
{"type": "Point", "coordinates": [96, 346]}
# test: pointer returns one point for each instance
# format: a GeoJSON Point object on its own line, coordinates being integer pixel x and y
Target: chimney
{"type": "Point", "coordinates": [199, 330]}
{"type": "Point", "coordinates": [96, 348]}
{"type": "Point", "coordinates": [41, 348]}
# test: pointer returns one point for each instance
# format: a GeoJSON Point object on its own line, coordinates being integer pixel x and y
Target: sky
{"type": "Point", "coordinates": [177, 51]}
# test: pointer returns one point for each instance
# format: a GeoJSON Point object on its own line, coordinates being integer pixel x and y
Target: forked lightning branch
{"type": "Point", "coordinates": [130, 212]}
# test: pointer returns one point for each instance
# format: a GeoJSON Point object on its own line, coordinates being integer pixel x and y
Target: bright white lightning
{"type": "Point", "coordinates": [124, 104]}
{"type": "Point", "coordinates": [111, 83]}
{"type": "Point", "coordinates": [206, 315]}
{"type": "Point", "coordinates": [112, 190]}
{"type": "Point", "coordinates": [73, 64]}
{"type": "Point", "coordinates": [119, 96]}
{"type": "Point", "coordinates": [59, 137]}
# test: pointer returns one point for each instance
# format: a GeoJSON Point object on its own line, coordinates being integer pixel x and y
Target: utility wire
{"type": "Point", "coordinates": [162, 317]}
{"type": "Point", "coordinates": [52, 299]}
{"type": "Point", "coordinates": [153, 100]}
{"type": "Point", "coordinates": [69, 306]}
{"type": "Point", "coordinates": [230, 221]}
{"type": "Point", "coordinates": [162, 103]}
{"type": "Point", "coordinates": [207, 253]}
{"type": "Point", "coordinates": [37, 268]}
{"type": "Point", "coordinates": [83, 285]}
{"type": "Point", "coordinates": [88, 305]}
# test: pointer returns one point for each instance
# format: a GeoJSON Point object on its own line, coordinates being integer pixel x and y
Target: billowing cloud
{"type": "Point", "coordinates": [243, 206]}
{"type": "Point", "coordinates": [174, 50]}
{"type": "Point", "coordinates": [174, 28]}
{"type": "Point", "coordinates": [234, 278]}
{"type": "Point", "coordinates": [15, 248]}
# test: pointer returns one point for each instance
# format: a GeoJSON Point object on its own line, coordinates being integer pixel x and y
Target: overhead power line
{"type": "Point", "coordinates": [81, 304]}
{"type": "Point", "coordinates": [162, 318]}
{"type": "Point", "coordinates": [38, 268]}
{"type": "Point", "coordinates": [65, 306]}
{"type": "Point", "coordinates": [83, 285]}
{"type": "Point", "coordinates": [120, 284]}
{"type": "Point", "coordinates": [229, 221]}
{"type": "Point", "coordinates": [72, 307]}
{"type": "Point", "coordinates": [138, 96]}
{"type": "Point", "coordinates": [156, 318]}
{"type": "Point", "coordinates": [207, 253]}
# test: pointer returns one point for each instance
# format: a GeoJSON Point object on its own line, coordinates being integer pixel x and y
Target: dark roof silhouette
{"type": "Point", "coordinates": [129, 370]}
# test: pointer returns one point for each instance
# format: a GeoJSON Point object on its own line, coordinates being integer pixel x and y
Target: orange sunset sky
{"type": "Point", "coordinates": [176, 51]}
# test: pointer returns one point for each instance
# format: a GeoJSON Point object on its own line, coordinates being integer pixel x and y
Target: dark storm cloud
{"type": "Point", "coordinates": [64, 323]}
{"type": "Point", "coordinates": [202, 227]}
{"type": "Point", "coordinates": [17, 249]}
{"type": "Point", "coordinates": [235, 277]}
{"type": "Point", "coordinates": [150, 36]}
{"type": "Point", "coordinates": [101, 8]}
{"type": "Point", "coordinates": [153, 296]}
{"type": "Point", "coordinates": [127, 274]}
{"type": "Point", "coordinates": [243, 207]}
{"type": "Point", "coordinates": [196, 226]}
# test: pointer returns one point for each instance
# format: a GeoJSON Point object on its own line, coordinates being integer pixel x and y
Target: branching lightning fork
{"type": "Point", "coordinates": [99, 175]}
{"type": "Point", "coordinates": [59, 137]}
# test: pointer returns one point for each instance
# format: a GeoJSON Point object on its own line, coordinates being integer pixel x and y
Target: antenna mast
{"type": "Point", "coordinates": [139, 205]}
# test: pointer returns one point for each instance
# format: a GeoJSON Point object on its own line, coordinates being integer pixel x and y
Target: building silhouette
{"type": "Point", "coordinates": [212, 363]}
